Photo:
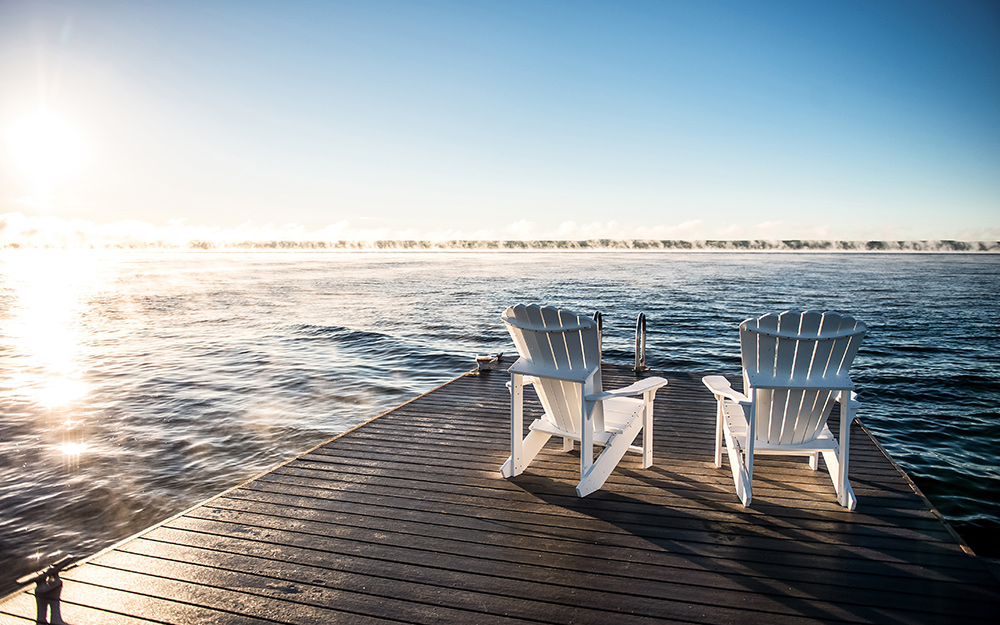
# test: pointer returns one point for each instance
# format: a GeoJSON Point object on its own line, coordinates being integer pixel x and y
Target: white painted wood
{"type": "Point", "coordinates": [795, 367]}
{"type": "Point", "coordinates": [529, 370]}
{"type": "Point", "coordinates": [720, 415]}
{"type": "Point", "coordinates": [647, 428]}
{"type": "Point", "coordinates": [560, 357]}
{"type": "Point", "coordinates": [744, 486]}
{"type": "Point", "coordinates": [586, 435]}
{"type": "Point", "coordinates": [594, 475]}
{"type": "Point", "coordinates": [514, 464]}
{"type": "Point", "coordinates": [636, 388]}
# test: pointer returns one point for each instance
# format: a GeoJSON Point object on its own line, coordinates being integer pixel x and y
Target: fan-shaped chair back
{"type": "Point", "coordinates": [809, 354]}
{"type": "Point", "coordinates": [566, 350]}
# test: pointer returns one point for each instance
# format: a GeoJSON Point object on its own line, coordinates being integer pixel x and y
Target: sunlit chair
{"type": "Point", "coordinates": [561, 358]}
{"type": "Point", "coordinates": [795, 366]}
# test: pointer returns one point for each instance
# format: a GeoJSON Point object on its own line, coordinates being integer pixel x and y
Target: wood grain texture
{"type": "Point", "coordinates": [406, 519]}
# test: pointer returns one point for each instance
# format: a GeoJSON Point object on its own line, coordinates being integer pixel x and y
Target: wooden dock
{"type": "Point", "coordinates": [407, 520]}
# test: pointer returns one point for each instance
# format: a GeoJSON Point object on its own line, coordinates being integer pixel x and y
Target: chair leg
{"type": "Point", "coordinates": [567, 444]}
{"type": "Point", "coordinates": [814, 461]}
{"type": "Point", "coordinates": [647, 432]}
{"type": "Point", "coordinates": [838, 475]}
{"type": "Point", "coordinates": [586, 434]}
{"type": "Point", "coordinates": [515, 464]}
{"type": "Point", "coordinates": [737, 464]}
{"type": "Point", "coordinates": [848, 499]}
{"type": "Point", "coordinates": [597, 473]}
{"type": "Point", "coordinates": [740, 452]}
{"type": "Point", "coordinates": [845, 494]}
{"type": "Point", "coordinates": [522, 452]}
{"type": "Point", "coordinates": [748, 456]}
{"type": "Point", "coordinates": [720, 414]}
{"type": "Point", "coordinates": [530, 447]}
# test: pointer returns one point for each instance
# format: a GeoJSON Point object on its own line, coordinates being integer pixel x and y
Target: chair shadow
{"type": "Point", "coordinates": [691, 530]}
{"type": "Point", "coordinates": [795, 552]}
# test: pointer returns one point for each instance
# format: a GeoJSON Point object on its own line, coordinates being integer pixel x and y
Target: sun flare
{"type": "Point", "coordinates": [45, 147]}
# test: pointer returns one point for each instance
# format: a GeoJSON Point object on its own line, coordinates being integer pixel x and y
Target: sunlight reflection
{"type": "Point", "coordinates": [72, 449]}
{"type": "Point", "coordinates": [44, 293]}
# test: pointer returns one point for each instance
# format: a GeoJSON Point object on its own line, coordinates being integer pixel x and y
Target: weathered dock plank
{"type": "Point", "coordinates": [406, 519]}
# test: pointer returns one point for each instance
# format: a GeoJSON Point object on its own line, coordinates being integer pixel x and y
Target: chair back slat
{"type": "Point", "coordinates": [560, 342]}
{"type": "Point", "coordinates": [805, 356]}
{"type": "Point", "coordinates": [756, 348]}
{"type": "Point", "coordinates": [821, 360]}
{"type": "Point", "coordinates": [563, 342]}
{"type": "Point", "coordinates": [575, 341]}
{"type": "Point", "coordinates": [798, 351]}
{"type": "Point", "coordinates": [785, 352]}
{"type": "Point", "coordinates": [538, 343]}
{"type": "Point", "coordinates": [846, 347]}
{"type": "Point", "coordinates": [838, 350]}
{"type": "Point", "coordinates": [520, 339]}
{"type": "Point", "coordinates": [797, 424]}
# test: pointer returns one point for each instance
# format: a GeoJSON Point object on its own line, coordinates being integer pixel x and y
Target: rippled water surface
{"type": "Point", "coordinates": [135, 384]}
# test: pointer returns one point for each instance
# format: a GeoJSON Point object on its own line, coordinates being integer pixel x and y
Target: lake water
{"type": "Point", "coordinates": [136, 384]}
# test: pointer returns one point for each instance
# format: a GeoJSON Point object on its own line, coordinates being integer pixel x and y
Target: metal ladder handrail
{"type": "Point", "coordinates": [599, 318]}
{"type": "Point", "coordinates": [640, 340]}
{"type": "Point", "coordinates": [640, 344]}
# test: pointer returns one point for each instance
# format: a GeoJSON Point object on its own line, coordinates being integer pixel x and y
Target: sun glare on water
{"type": "Point", "coordinates": [72, 449]}
{"type": "Point", "coordinates": [42, 329]}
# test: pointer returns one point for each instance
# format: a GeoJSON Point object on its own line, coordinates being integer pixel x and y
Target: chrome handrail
{"type": "Point", "coordinates": [599, 318]}
{"type": "Point", "coordinates": [640, 344]}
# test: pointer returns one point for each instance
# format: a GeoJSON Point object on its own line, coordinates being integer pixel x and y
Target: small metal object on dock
{"type": "Point", "coordinates": [488, 362]}
{"type": "Point", "coordinates": [48, 588]}
{"type": "Point", "coordinates": [640, 344]}
{"type": "Point", "coordinates": [599, 318]}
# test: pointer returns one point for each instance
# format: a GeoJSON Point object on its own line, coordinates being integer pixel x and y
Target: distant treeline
{"type": "Point", "coordinates": [622, 244]}
{"type": "Point", "coordinates": [758, 245]}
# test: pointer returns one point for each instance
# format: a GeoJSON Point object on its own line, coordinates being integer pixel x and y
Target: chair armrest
{"type": "Point", "coordinates": [638, 388]}
{"type": "Point", "coordinates": [579, 375]}
{"type": "Point", "coordinates": [527, 380]}
{"type": "Point", "coordinates": [721, 387]}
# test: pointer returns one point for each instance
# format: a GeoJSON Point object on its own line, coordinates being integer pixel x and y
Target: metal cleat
{"type": "Point", "coordinates": [486, 362]}
{"type": "Point", "coordinates": [48, 587]}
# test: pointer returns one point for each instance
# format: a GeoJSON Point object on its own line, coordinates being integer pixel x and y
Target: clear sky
{"type": "Point", "coordinates": [540, 119]}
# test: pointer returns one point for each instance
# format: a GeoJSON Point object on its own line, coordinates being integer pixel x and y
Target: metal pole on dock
{"type": "Point", "coordinates": [640, 344]}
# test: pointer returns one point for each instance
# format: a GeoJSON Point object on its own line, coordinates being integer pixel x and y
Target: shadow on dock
{"type": "Point", "coordinates": [406, 519]}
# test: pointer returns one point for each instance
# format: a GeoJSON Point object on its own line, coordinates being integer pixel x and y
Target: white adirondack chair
{"type": "Point", "coordinates": [795, 366]}
{"type": "Point", "coordinates": [561, 358]}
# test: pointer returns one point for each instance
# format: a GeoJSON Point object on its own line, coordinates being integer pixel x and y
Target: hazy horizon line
{"type": "Point", "coordinates": [677, 245]}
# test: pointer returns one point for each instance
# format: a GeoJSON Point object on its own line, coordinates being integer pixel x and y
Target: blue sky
{"type": "Point", "coordinates": [678, 120]}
